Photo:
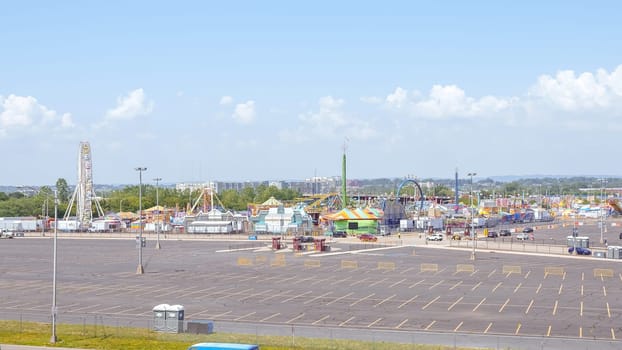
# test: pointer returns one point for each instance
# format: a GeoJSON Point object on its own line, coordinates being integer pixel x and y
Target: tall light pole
{"type": "Point", "coordinates": [602, 214]}
{"type": "Point", "coordinates": [120, 205]}
{"type": "Point", "coordinates": [473, 235]}
{"type": "Point", "coordinates": [157, 181]}
{"type": "Point", "coordinates": [53, 338]}
{"type": "Point", "coordinates": [140, 270]}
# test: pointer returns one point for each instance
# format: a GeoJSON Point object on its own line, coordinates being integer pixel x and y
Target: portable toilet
{"type": "Point", "coordinates": [175, 319]}
{"type": "Point", "coordinates": [159, 317]}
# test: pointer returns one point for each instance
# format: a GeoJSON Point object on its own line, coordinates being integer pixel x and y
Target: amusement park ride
{"type": "Point", "coordinates": [84, 194]}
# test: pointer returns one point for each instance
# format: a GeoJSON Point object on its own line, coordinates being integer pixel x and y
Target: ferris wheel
{"type": "Point", "coordinates": [84, 193]}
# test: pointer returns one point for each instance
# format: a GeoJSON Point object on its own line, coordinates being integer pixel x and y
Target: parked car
{"type": "Point", "coordinates": [522, 236]}
{"type": "Point", "coordinates": [505, 233]}
{"type": "Point", "coordinates": [306, 239]}
{"type": "Point", "coordinates": [492, 234]}
{"type": "Point", "coordinates": [527, 230]}
{"type": "Point", "coordinates": [366, 237]}
{"type": "Point", "coordinates": [341, 234]}
{"type": "Point", "coordinates": [583, 251]}
{"type": "Point", "coordinates": [435, 237]}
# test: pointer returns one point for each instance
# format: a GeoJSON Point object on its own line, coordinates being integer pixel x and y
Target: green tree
{"type": "Point", "coordinates": [62, 190]}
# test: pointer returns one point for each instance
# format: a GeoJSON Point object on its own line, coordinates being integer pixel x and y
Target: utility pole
{"type": "Point", "coordinates": [473, 235]}
{"type": "Point", "coordinates": [54, 310]}
{"type": "Point", "coordinates": [140, 270]}
{"type": "Point", "coordinates": [157, 181]}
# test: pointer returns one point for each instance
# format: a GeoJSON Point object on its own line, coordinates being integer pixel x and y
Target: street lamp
{"type": "Point", "coordinates": [140, 270]}
{"type": "Point", "coordinates": [157, 181]}
{"type": "Point", "coordinates": [53, 338]}
{"type": "Point", "coordinates": [120, 206]}
{"type": "Point", "coordinates": [602, 214]}
{"type": "Point", "coordinates": [473, 236]}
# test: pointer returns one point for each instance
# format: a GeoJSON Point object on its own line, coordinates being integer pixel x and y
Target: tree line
{"type": "Point", "coordinates": [41, 203]}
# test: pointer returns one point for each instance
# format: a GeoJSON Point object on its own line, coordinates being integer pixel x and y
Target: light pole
{"type": "Point", "coordinates": [157, 181]}
{"type": "Point", "coordinates": [602, 214]}
{"type": "Point", "coordinates": [473, 235]}
{"type": "Point", "coordinates": [120, 206]}
{"type": "Point", "coordinates": [140, 270]}
{"type": "Point", "coordinates": [53, 338]}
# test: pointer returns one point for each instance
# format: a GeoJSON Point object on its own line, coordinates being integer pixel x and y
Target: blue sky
{"type": "Point", "coordinates": [245, 90]}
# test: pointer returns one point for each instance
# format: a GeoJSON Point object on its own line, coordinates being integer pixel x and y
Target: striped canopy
{"type": "Point", "coordinates": [355, 214]}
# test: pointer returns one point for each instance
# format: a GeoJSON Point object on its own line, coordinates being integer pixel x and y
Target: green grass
{"type": "Point", "coordinates": [123, 338]}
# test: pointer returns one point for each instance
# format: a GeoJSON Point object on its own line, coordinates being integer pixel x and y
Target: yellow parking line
{"type": "Point", "coordinates": [431, 302]}
{"type": "Point", "coordinates": [517, 329]}
{"type": "Point", "coordinates": [613, 334]}
{"type": "Point", "coordinates": [580, 332]}
{"type": "Point", "coordinates": [529, 307]}
{"type": "Point", "coordinates": [503, 307]}
{"type": "Point", "coordinates": [454, 304]}
{"type": "Point", "coordinates": [548, 332]}
{"type": "Point", "coordinates": [608, 311]}
{"type": "Point", "coordinates": [478, 305]}
{"type": "Point", "coordinates": [458, 326]}
{"type": "Point", "coordinates": [555, 307]}
{"type": "Point", "coordinates": [430, 325]}
{"type": "Point", "coordinates": [581, 309]}
{"type": "Point", "coordinates": [402, 323]}
{"type": "Point", "coordinates": [488, 328]}
{"type": "Point", "coordinates": [561, 286]}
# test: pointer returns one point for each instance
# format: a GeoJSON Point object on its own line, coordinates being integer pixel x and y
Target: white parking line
{"type": "Point", "coordinates": [317, 297]}
{"type": "Point", "coordinates": [245, 316]}
{"type": "Point", "coordinates": [365, 298]}
{"type": "Point", "coordinates": [295, 318]}
{"type": "Point", "coordinates": [455, 285]}
{"type": "Point", "coordinates": [430, 303]}
{"type": "Point", "coordinates": [436, 284]}
{"type": "Point", "coordinates": [455, 303]}
{"type": "Point", "coordinates": [346, 321]}
{"type": "Point", "coordinates": [320, 320]}
{"type": "Point", "coordinates": [378, 282]}
{"type": "Point", "coordinates": [396, 283]}
{"type": "Point", "coordinates": [407, 301]}
{"type": "Point", "coordinates": [341, 280]}
{"type": "Point", "coordinates": [503, 307]}
{"type": "Point", "coordinates": [529, 307]}
{"type": "Point", "coordinates": [385, 300]}
{"type": "Point", "coordinates": [478, 305]}
{"type": "Point", "coordinates": [359, 281]}
{"type": "Point", "coordinates": [296, 296]}
{"type": "Point", "coordinates": [373, 323]}
{"type": "Point", "coordinates": [252, 296]}
{"type": "Point", "coordinates": [416, 284]}
{"type": "Point", "coordinates": [401, 324]}
{"type": "Point", "coordinates": [477, 285]}
{"type": "Point", "coordinates": [340, 298]}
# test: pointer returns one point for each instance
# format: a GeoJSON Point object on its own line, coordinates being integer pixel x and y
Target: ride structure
{"type": "Point", "coordinates": [84, 194]}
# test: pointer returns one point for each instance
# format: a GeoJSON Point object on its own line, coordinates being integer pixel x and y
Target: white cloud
{"type": "Point", "coordinates": [226, 100]}
{"type": "Point", "coordinates": [131, 106]}
{"type": "Point", "coordinates": [21, 112]}
{"type": "Point", "coordinates": [244, 112]}
{"type": "Point", "coordinates": [329, 122]}
{"type": "Point", "coordinates": [570, 92]}
{"type": "Point", "coordinates": [445, 101]}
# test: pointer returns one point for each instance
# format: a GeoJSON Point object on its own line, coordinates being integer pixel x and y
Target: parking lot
{"type": "Point", "coordinates": [361, 286]}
